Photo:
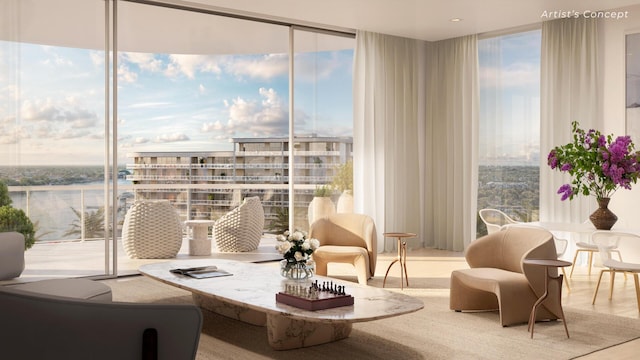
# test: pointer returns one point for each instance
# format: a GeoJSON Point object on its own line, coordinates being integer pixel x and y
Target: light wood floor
{"type": "Point", "coordinates": [427, 268]}
{"type": "Point", "coordinates": [432, 268]}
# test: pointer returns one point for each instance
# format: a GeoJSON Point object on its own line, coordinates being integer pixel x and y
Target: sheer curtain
{"type": "Point", "coordinates": [385, 145]}
{"type": "Point", "coordinates": [415, 131]}
{"type": "Point", "coordinates": [451, 133]}
{"type": "Point", "coordinates": [568, 92]}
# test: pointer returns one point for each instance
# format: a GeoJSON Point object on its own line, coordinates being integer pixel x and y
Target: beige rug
{"type": "Point", "coordinates": [432, 333]}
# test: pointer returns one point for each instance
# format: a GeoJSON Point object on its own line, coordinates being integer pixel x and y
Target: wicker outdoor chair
{"type": "Point", "coordinates": [241, 228]}
{"type": "Point", "coordinates": [152, 230]}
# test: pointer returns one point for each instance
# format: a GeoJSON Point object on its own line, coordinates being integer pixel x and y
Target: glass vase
{"type": "Point", "coordinates": [297, 270]}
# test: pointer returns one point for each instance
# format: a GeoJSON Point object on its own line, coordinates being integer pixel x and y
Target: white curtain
{"type": "Point", "coordinates": [415, 131]}
{"type": "Point", "coordinates": [450, 135]}
{"type": "Point", "coordinates": [569, 92]}
{"type": "Point", "coordinates": [386, 97]}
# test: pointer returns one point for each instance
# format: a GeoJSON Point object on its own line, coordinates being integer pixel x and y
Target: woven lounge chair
{"type": "Point", "coordinates": [241, 228]}
{"type": "Point", "coordinates": [152, 230]}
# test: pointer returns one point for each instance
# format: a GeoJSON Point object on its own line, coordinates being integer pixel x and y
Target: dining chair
{"type": "Point", "coordinates": [604, 241]}
{"type": "Point", "coordinates": [589, 247]}
{"type": "Point", "coordinates": [494, 219]}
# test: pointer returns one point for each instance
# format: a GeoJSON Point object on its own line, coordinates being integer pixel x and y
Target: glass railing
{"type": "Point", "coordinates": [76, 212]}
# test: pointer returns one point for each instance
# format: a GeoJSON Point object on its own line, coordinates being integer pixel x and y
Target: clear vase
{"type": "Point", "coordinates": [298, 270]}
{"type": "Point", "coordinates": [603, 218]}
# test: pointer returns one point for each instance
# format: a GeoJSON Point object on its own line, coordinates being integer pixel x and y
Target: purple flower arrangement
{"type": "Point", "coordinates": [598, 164]}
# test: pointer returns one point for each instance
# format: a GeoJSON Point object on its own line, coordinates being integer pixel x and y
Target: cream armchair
{"type": "Point", "coordinates": [346, 238]}
{"type": "Point", "coordinates": [499, 279]}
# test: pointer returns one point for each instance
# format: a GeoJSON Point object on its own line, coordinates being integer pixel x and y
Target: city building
{"type": "Point", "coordinates": [206, 185]}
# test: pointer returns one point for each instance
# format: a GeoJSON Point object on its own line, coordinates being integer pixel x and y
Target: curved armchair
{"type": "Point", "coordinates": [240, 229]}
{"type": "Point", "coordinates": [346, 238]}
{"type": "Point", "coordinates": [498, 278]}
{"type": "Point", "coordinates": [494, 219]}
{"type": "Point", "coordinates": [561, 245]}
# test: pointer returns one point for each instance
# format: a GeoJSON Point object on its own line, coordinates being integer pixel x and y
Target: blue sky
{"type": "Point", "coordinates": [510, 99]}
{"type": "Point", "coordinates": [52, 101]}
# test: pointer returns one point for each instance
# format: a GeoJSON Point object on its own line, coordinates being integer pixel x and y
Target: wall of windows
{"type": "Point", "coordinates": [201, 113]}
{"type": "Point", "coordinates": [509, 129]}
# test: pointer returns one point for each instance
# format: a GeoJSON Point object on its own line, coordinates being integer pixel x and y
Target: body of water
{"type": "Point", "coordinates": [52, 210]}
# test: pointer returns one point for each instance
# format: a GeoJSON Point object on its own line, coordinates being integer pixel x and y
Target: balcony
{"type": "Point", "coordinates": [61, 252]}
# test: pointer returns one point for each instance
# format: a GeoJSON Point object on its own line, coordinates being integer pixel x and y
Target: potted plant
{"type": "Point", "coordinates": [12, 219]}
{"type": "Point", "coordinates": [343, 182]}
{"type": "Point", "coordinates": [321, 205]}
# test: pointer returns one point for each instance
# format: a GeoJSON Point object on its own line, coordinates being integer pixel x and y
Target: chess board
{"type": "Point", "coordinates": [314, 297]}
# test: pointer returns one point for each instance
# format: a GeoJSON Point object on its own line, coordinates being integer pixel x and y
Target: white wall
{"type": "Point", "coordinates": [625, 203]}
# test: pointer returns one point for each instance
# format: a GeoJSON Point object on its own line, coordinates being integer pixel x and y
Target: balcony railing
{"type": "Point", "coordinates": [64, 212]}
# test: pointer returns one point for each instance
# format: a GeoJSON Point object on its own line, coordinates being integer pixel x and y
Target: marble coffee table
{"type": "Point", "coordinates": [249, 295]}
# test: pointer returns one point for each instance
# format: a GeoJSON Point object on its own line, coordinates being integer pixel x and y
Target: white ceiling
{"type": "Point", "coordinates": [419, 19]}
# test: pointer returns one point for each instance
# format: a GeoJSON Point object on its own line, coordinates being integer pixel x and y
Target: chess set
{"type": "Point", "coordinates": [315, 296]}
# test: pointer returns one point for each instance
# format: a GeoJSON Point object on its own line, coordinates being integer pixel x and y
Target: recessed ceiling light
{"type": "Point", "coordinates": [455, 20]}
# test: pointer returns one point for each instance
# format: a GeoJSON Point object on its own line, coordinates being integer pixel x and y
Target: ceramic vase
{"type": "Point", "coordinates": [320, 207]}
{"type": "Point", "coordinates": [603, 218]}
{"type": "Point", "coordinates": [345, 202]}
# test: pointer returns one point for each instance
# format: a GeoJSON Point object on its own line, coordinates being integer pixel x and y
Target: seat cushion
{"type": "Point", "coordinates": [73, 288]}
{"type": "Point", "coordinates": [341, 254]}
{"type": "Point", "coordinates": [489, 279]}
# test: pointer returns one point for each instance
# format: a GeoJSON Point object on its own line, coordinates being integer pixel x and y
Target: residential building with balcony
{"type": "Point", "coordinates": [207, 184]}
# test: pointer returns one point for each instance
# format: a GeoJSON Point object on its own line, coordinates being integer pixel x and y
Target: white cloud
{"type": "Point", "coordinates": [209, 127]}
{"type": "Point", "coordinates": [266, 118]}
{"type": "Point", "coordinates": [167, 138]}
{"type": "Point", "coordinates": [126, 75]}
{"type": "Point", "coordinates": [55, 59]}
{"type": "Point", "coordinates": [144, 61]}
{"type": "Point", "coordinates": [140, 140]}
{"type": "Point", "coordinates": [188, 65]}
{"type": "Point", "coordinates": [264, 68]}
{"type": "Point", "coordinates": [51, 119]}
{"type": "Point", "coordinates": [97, 58]}
{"type": "Point", "coordinates": [202, 89]}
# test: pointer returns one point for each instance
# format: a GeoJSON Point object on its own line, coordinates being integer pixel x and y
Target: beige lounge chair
{"type": "Point", "coordinates": [499, 280]}
{"type": "Point", "coordinates": [346, 238]}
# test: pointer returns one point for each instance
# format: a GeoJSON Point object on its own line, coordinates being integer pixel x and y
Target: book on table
{"type": "Point", "coordinates": [201, 272]}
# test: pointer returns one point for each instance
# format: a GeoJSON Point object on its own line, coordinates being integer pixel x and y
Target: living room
{"type": "Point", "coordinates": [444, 211]}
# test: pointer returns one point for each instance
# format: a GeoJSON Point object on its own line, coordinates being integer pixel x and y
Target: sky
{"type": "Point", "coordinates": [52, 101]}
{"type": "Point", "coordinates": [510, 99]}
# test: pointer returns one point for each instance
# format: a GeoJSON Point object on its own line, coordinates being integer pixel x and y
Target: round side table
{"type": "Point", "coordinates": [402, 256]}
{"type": "Point", "coordinates": [548, 263]}
{"type": "Point", "coordinates": [199, 242]}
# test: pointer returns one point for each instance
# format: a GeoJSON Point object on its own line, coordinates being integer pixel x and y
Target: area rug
{"type": "Point", "coordinates": [434, 332]}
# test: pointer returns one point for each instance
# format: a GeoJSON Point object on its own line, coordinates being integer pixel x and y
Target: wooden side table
{"type": "Point", "coordinates": [199, 243]}
{"type": "Point", "coordinates": [402, 256]}
{"type": "Point", "coordinates": [548, 263]}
